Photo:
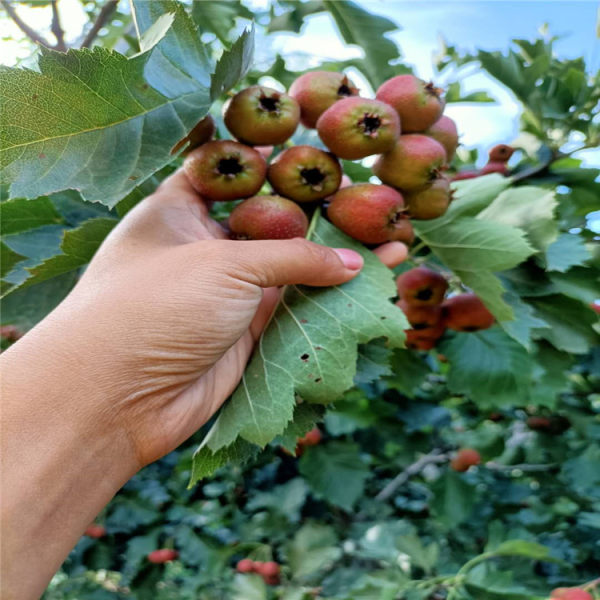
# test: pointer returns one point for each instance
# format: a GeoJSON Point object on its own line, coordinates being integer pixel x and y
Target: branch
{"type": "Point", "coordinates": [433, 457]}
{"type": "Point", "coordinates": [33, 35]}
{"type": "Point", "coordinates": [57, 30]}
{"type": "Point", "coordinates": [522, 467]}
{"type": "Point", "coordinates": [103, 17]}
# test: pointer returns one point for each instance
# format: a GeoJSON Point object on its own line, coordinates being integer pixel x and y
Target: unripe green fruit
{"type": "Point", "coordinates": [268, 218]}
{"type": "Point", "coordinates": [421, 287]}
{"type": "Point", "coordinates": [225, 170]}
{"type": "Point", "coordinates": [202, 132]}
{"type": "Point", "coordinates": [419, 104]}
{"type": "Point", "coordinates": [262, 116]}
{"type": "Point", "coordinates": [466, 312]}
{"type": "Point", "coordinates": [465, 458]}
{"type": "Point", "coordinates": [305, 173]}
{"type": "Point", "coordinates": [414, 162]}
{"type": "Point", "coordinates": [354, 127]}
{"type": "Point", "coordinates": [431, 202]}
{"type": "Point", "coordinates": [370, 213]}
{"type": "Point", "coordinates": [316, 91]}
{"type": "Point", "coordinates": [444, 131]}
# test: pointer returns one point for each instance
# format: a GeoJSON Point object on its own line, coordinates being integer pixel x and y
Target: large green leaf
{"type": "Point", "coordinates": [21, 215]}
{"type": "Point", "coordinates": [568, 250]}
{"type": "Point", "coordinates": [314, 547]}
{"type": "Point", "coordinates": [8, 259]}
{"type": "Point", "coordinates": [367, 31]}
{"type": "Point", "coordinates": [309, 350]}
{"type": "Point", "coordinates": [218, 16]}
{"type": "Point", "coordinates": [96, 121]}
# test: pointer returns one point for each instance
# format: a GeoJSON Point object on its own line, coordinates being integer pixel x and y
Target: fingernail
{"type": "Point", "coordinates": [352, 260]}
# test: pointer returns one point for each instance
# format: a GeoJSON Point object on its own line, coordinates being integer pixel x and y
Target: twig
{"type": "Point", "coordinates": [433, 457]}
{"type": "Point", "coordinates": [103, 17]}
{"type": "Point", "coordinates": [28, 31]}
{"type": "Point", "coordinates": [56, 29]}
{"type": "Point", "coordinates": [522, 467]}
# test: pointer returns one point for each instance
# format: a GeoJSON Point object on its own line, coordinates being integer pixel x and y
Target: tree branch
{"type": "Point", "coordinates": [57, 30]}
{"type": "Point", "coordinates": [433, 457]}
{"type": "Point", "coordinates": [522, 467]}
{"type": "Point", "coordinates": [33, 35]}
{"type": "Point", "coordinates": [103, 17]}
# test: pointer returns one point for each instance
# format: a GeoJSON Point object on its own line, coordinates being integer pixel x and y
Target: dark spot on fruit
{"type": "Point", "coordinates": [420, 325]}
{"type": "Point", "coordinates": [313, 177]}
{"type": "Point", "coordinates": [230, 167]}
{"type": "Point", "coordinates": [41, 155]}
{"type": "Point", "coordinates": [305, 357]}
{"type": "Point", "coordinates": [318, 380]}
{"type": "Point", "coordinates": [424, 294]}
{"type": "Point", "coordinates": [269, 103]}
{"type": "Point", "coordinates": [370, 124]}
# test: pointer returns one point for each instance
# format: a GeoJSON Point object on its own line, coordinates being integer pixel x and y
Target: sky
{"type": "Point", "coordinates": [467, 24]}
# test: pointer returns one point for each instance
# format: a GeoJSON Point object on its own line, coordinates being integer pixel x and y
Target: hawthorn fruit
{"type": "Point", "coordinates": [421, 287]}
{"type": "Point", "coordinates": [464, 459]}
{"type": "Point", "coordinates": [431, 202]}
{"type": "Point", "coordinates": [466, 312]}
{"type": "Point", "coordinates": [95, 531]}
{"type": "Point", "coordinates": [245, 566]}
{"type": "Point", "coordinates": [575, 593]}
{"type": "Point", "coordinates": [162, 555]}
{"type": "Point", "coordinates": [444, 131]}
{"type": "Point", "coordinates": [421, 317]}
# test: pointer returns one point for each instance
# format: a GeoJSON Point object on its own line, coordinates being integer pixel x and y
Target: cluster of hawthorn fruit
{"type": "Point", "coordinates": [422, 291]}
{"type": "Point", "coordinates": [403, 125]}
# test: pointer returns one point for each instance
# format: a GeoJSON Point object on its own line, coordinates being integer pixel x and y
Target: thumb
{"type": "Point", "coordinates": [272, 263]}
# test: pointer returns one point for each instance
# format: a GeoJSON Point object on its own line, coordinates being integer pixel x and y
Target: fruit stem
{"type": "Point", "coordinates": [313, 223]}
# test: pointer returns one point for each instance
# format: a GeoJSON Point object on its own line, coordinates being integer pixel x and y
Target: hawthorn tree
{"type": "Point", "coordinates": [373, 506]}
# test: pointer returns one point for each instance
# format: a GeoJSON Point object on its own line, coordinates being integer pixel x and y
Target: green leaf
{"type": "Point", "coordinates": [8, 259]}
{"type": "Point", "coordinates": [19, 215]}
{"type": "Point", "coordinates": [522, 548]}
{"type": "Point", "coordinates": [567, 251]}
{"type": "Point", "coordinates": [410, 371]}
{"type": "Point", "coordinates": [310, 348]}
{"type": "Point", "coordinates": [528, 208]}
{"type": "Point", "coordinates": [579, 283]}
{"type": "Point", "coordinates": [233, 65]}
{"type": "Point", "coordinates": [550, 372]}
{"type": "Point", "coordinates": [205, 463]}
{"type": "Point", "coordinates": [78, 246]}
{"type": "Point", "coordinates": [335, 472]}
{"type": "Point", "coordinates": [581, 473]}
{"type": "Point", "coordinates": [368, 31]}
{"type": "Point", "coordinates": [525, 322]}
{"type": "Point", "coordinates": [293, 19]}
{"type": "Point", "coordinates": [312, 549]}
{"type": "Point", "coordinates": [453, 499]}
{"type": "Point", "coordinates": [305, 418]}
{"type": "Point", "coordinates": [249, 587]}
{"type": "Point", "coordinates": [219, 17]}
{"type": "Point", "coordinates": [473, 195]}
{"type": "Point", "coordinates": [286, 499]}
{"type": "Point", "coordinates": [373, 362]}
{"type": "Point", "coordinates": [454, 94]}
{"type": "Point", "coordinates": [489, 367]}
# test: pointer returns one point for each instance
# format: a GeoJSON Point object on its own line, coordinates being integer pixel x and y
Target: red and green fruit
{"type": "Point", "coordinates": [500, 153]}
{"type": "Point", "coordinates": [421, 286]}
{"type": "Point", "coordinates": [570, 594]}
{"type": "Point", "coordinates": [245, 566]}
{"type": "Point", "coordinates": [95, 531]}
{"type": "Point", "coordinates": [421, 317]}
{"type": "Point", "coordinates": [316, 91]}
{"type": "Point", "coordinates": [413, 163]}
{"type": "Point", "coordinates": [369, 213]}
{"type": "Point", "coordinates": [225, 170]}
{"type": "Point", "coordinates": [430, 202]}
{"type": "Point", "coordinates": [267, 218]}
{"type": "Point", "coordinates": [305, 174]}
{"type": "Point", "coordinates": [262, 116]}
{"type": "Point", "coordinates": [466, 312]}
{"type": "Point", "coordinates": [418, 103]}
{"type": "Point", "coordinates": [355, 127]}
{"type": "Point", "coordinates": [162, 555]}
{"type": "Point", "coordinates": [312, 438]}
{"type": "Point", "coordinates": [445, 132]}
{"type": "Point", "coordinates": [465, 458]}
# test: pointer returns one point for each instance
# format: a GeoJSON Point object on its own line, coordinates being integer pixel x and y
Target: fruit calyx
{"type": "Point", "coordinates": [346, 88]}
{"type": "Point", "coordinates": [229, 167]}
{"type": "Point", "coordinates": [431, 90]}
{"type": "Point", "coordinates": [313, 177]}
{"type": "Point", "coordinates": [270, 103]}
{"type": "Point", "coordinates": [370, 125]}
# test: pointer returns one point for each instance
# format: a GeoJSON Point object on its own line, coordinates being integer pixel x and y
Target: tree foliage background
{"type": "Point", "coordinates": [374, 511]}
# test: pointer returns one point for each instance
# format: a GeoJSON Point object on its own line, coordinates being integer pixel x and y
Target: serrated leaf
{"type": "Point", "coordinates": [471, 196]}
{"type": "Point", "coordinates": [305, 418]}
{"type": "Point", "coordinates": [292, 20]}
{"type": "Point", "coordinates": [310, 348]}
{"type": "Point", "coordinates": [249, 587]}
{"type": "Point", "coordinates": [206, 462]}
{"type": "Point", "coordinates": [19, 215]}
{"type": "Point", "coordinates": [8, 259]}
{"type": "Point", "coordinates": [313, 548]}
{"type": "Point", "coordinates": [529, 208]}
{"type": "Point", "coordinates": [366, 30]}
{"type": "Point", "coordinates": [579, 283]}
{"type": "Point", "coordinates": [156, 32]}
{"type": "Point", "coordinates": [453, 499]}
{"type": "Point", "coordinates": [524, 322]}
{"type": "Point", "coordinates": [335, 472]}
{"type": "Point", "coordinates": [567, 251]}
{"type": "Point", "coordinates": [550, 372]}
{"type": "Point", "coordinates": [78, 246]}
{"type": "Point", "coordinates": [489, 367]}
{"type": "Point", "coordinates": [409, 370]}
{"type": "Point", "coordinates": [373, 362]}
{"type": "Point", "coordinates": [522, 548]}
{"type": "Point", "coordinates": [218, 16]}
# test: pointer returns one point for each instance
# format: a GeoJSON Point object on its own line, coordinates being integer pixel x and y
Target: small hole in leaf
{"type": "Point", "coordinates": [304, 357]}
{"type": "Point", "coordinates": [318, 380]}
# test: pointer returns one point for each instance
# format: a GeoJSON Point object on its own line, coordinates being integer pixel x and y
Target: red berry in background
{"type": "Point", "coordinates": [421, 317]}
{"type": "Point", "coordinates": [357, 127]}
{"type": "Point", "coordinates": [95, 531]}
{"type": "Point", "coordinates": [570, 594]}
{"type": "Point", "coordinates": [466, 312]}
{"type": "Point", "coordinates": [316, 91]}
{"type": "Point", "coordinates": [370, 213]}
{"type": "Point", "coordinates": [10, 333]}
{"type": "Point", "coordinates": [595, 306]}
{"type": "Point", "coordinates": [421, 286]}
{"type": "Point", "coordinates": [268, 569]}
{"type": "Point", "coordinates": [413, 163]}
{"type": "Point", "coordinates": [465, 458]}
{"type": "Point", "coordinates": [245, 566]}
{"type": "Point", "coordinates": [305, 174]}
{"type": "Point", "coordinates": [312, 438]}
{"type": "Point", "coordinates": [262, 116]}
{"type": "Point", "coordinates": [225, 170]}
{"type": "Point", "coordinates": [418, 103]}
{"type": "Point", "coordinates": [539, 423]}
{"type": "Point", "coordinates": [444, 131]}
{"type": "Point", "coordinates": [162, 555]}
{"type": "Point", "coordinates": [268, 218]}
{"type": "Point", "coordinates": [500, 153]}
{"type": "Point", "coordinates": [430, 202]}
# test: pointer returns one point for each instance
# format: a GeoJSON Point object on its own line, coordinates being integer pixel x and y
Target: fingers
{"type": "Point", "coordinates": [274, 263]}
{"type": "Point", "coordinates": [392, 253]}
